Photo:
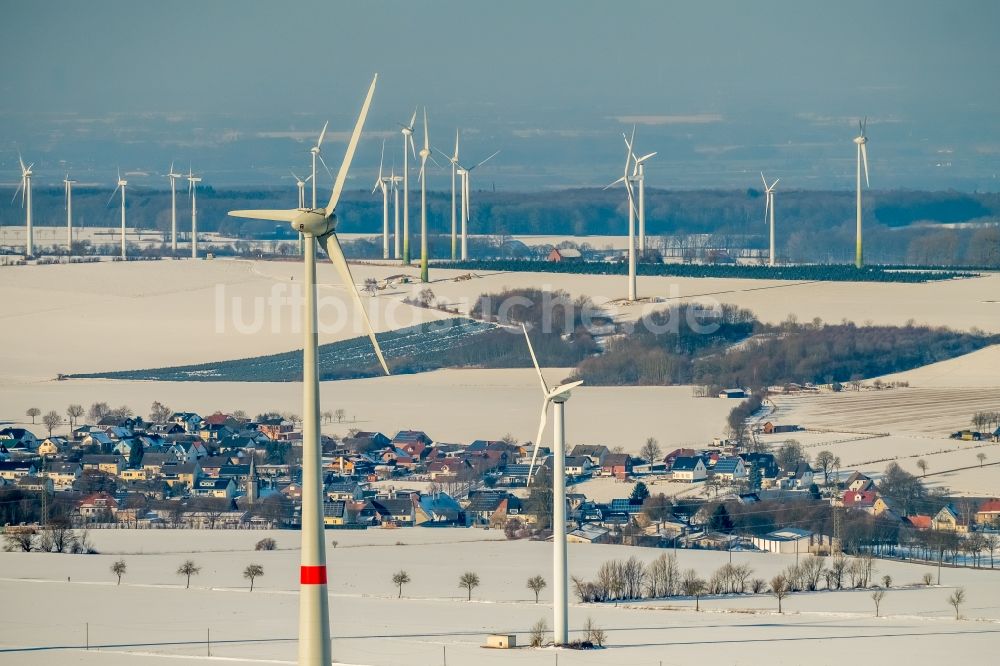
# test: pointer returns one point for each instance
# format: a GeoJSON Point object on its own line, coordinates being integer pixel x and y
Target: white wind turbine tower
{"type": "Point", "coordinates": [464, 174]}
{"type": "Point", "coordinates": [318, 225]}
{"type": "Point", "coordinates": [173, 207]}
{"type": "Point", "coordinates": [425, 152]}
{"type": "Point", "coordinates": [560, 576]}
{"type": "Point", "coordinates": [382, 183]}
{"type": "Point", "coordinates": [407, 131]}
{"type": "Point", "coordinates": [639, 175]}
{"type": "Point", "coordinates": [862, 141]}
{"type": "Point", "coordinates": [301, 185]}
{"type": "Point", "coordinates": [395, 180]}
{"type": "Point", "coordinates": [25, 189]}
{"type": "Point", "coordinates": [193, 181]}
{"type": "Point", "coordinates": [626, 179]}
{"type": "Point", "coordinates": [769, 206]}
{"type": "Point", "coordinates": [68, 185]}
{"type": "Point", "coordinates": [122, 184]}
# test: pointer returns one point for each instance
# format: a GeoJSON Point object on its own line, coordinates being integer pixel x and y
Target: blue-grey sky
{"type": "Point", "coordinates": [721, 89]}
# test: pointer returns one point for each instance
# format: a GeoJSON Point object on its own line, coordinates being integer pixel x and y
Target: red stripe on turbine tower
{"type": "Point", "coordinates": [313, 575]}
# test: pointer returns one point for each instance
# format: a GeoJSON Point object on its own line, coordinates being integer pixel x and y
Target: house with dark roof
{"type": "Point", "coordinates": [618, 465]}
{"type": "Point", "coordinates": [730, 469]}
{"type": "Point", "coordinates": [438, 508]}
{"type": "Point", "coordinates": [215, 488]}
{"type": "Point", "coordinates": [18, 439]}
{"type": "Point", "coordinates": [596, 453]}
{"type": "Point", "coordinates": [491, 508]}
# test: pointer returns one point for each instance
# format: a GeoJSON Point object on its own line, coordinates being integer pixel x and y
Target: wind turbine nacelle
{"type": "Point", "coordinates": [314, 223]}
{"type": "Point", "coordinates": [860, 140]}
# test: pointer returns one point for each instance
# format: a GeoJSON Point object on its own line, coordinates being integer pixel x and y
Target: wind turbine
{"type": "Point", "coordinates": [395, 180]}
{"type": "Point", "coordinates": [193, 181]}
{"type": "Point", "coordinates": [407, 131]}
{"type": "Point", "coordinates": [769, 206]}
{"type": "Point", "coordinates": [560, 577]}
{"type": "Point", "coordinates": [301, 184]}
{"type": "Point", "coordinates": [314, 151]}
{"type": "Point", "coordinates": [862, 141]}
{"type": "Point", "coordinates": [626, 179]}
{"type": "Point", "coordinates": [68, 184]}
{"type": "Point", "coordinates": [465, 173]}
{"type": "Point", "coordinates": [173, 207]}
{"type": "Point", "coordinates": [454, 198]}
{"type": "Point", "coordinates": [318, 224]}
{"type": "Point", "coordinates": [25, 189]}
{"type": "Point", "coordinates": [382, 183]}
{"type": "Point", "coordinates": [122, 184]}
{"type": "Point", "coordinates": [425, 152]}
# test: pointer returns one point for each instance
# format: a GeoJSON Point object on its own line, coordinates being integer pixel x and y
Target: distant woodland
{"type": "Point", "coordinates": [901, 227]}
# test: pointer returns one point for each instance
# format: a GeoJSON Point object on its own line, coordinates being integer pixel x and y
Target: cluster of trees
{"type": "Point", "coordinates": [791, 352]}
{"type": "Point", "coordinates": [57, 537]}
{"type": "Point", "coordinates": [986, 420]}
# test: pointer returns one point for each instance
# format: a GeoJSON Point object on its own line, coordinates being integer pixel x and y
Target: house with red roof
{"type": "Point", "coordinates": [989, 513]}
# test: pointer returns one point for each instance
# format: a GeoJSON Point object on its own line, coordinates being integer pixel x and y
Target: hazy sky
{"type": "Point", "coordinates": [721, 89]}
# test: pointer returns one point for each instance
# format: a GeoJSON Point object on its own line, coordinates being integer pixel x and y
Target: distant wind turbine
{"type": "Point", "coordinates": [193, 181]}
{"type": "Point", "coordinates": [396, 236]}
{"type": "Point", "coordinates": [382, 183]}
{"type": "Point", "coordinates": [407, 131]}
{"type": "Point", "coordinates": [626, 179]}
{"type": "Point", "coordinates": [769, 206]}
{"type": "Point", "coordinates": [68, 185]}
{"type": "Point", "coordinates": [173, 207]}
{"type": "Point", "coordinates": [862, 141]}
{"type": "Point", "coordinates": [25, 189]}
{"type": "Point", "coordinates": [453, 159]}
{"type": "Point", "coordinates": [425, 152]}
{"type": "Point", "coordinates": [560, 578]}
{"type": "Point", "coordinates": [122, 184]}
{"type": "Point", "coordinates": [639, 176]}
{"type": "Point", "coordinates": [465, 174]}
{"type": "Point", "coordinates": [301, 185]}
{"type": "Point", "coordinates": [315, 152]}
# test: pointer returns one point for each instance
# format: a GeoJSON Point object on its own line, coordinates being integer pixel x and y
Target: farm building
{"type": "Point", "coordinates": [565, 254]}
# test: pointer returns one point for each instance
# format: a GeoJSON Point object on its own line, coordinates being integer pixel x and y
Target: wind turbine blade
{"type": "Point", "coordinates": [20, 188]}
{"type": "Point", "coordinates": [338, 185]}
{"type": "Point", "coordinates": [322, 134]}
{"type": "Point", "coordinates": [485, 161]}
{"type": "Point", "coordinates": [534, 360]}
{"type": "Point", "coordinates": [336, 255]}
{"type": "Point", "coordinates": [20, 161]}
{"type": "Point", "coordinates": [277, 215]}
{"type": "Point", "coordinates": [413, 119]}
{"type": "Point", "coordinates": [774, 183]}
{"type": "Point", "coordinates": [538, 438]}
{"type": "Point", "coordinates": [381, 159]}
{"type": "Point", "coordinates": [323, 162]}
{"type": "Point", "coordinates": [645, 157]}
{"type": "Point", "coordinates": [171, 172]}
{"type": "Point", "coordinates": [413, 150]}
{"type": "Point", "coordinates": [297, 179]}
{"type": "Point", "coordinates": [767, 204]}
{"type": "Point", "coordinates": [610, 185]}
{"type": "Point", "coordinates": [763, 180]}
{"type": "Point", "coordinates": [455, 158]}
{"type": "Point", "coordinates": [434, 161]}
{"type": "Point", "coordinates": [112, 197]}
{"type": "Point", "coordinates": [565, 388]}
{"type": "Point", "coordinates": [864, 157]}
{"type": "Point", "coordinates": [427, 141]}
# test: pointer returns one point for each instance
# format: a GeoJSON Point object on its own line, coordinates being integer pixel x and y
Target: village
{"type": "Point", "coordinates": [228, 471]}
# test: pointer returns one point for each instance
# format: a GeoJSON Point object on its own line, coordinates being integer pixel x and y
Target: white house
{"type": "Point", "coordinates": [689, 469]}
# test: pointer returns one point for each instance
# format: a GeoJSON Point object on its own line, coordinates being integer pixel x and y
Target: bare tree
{"type": "Point", "coordinates": [956, 599]}
{"type": "Point", "coordinates": [118, 569]}
{"type": "Point", "coordinates": [339, 414]}
{"type": "Point", "coordinates": [650, 451]}
{"type": "Point", "coordinates": [74, 412]}
{"type": "Point", "coordinates": [877, 597]}
{"type": "Point", "coordinates": [824, 459]}
{"type": "Point", "coordinates": [400, 578]}
{"type": "Point", "coordinates": [22, 541]}
{"type": "Point", "coordinates": [251, 573]}
{"type": "Point", "coordinates": [158, 412]}
{"type": "Point", "coordinates": [188, 569]}
{"type": "Point", "coordinates": [538, 632]}
{"type": "Point", "coordinates": [98, 411]}
{"type": "Point", "coordinates": [266, 543]}
{"type": "Point", "coordinates": [469, 580]}
{"type": "Point", "coordinates": [922, 466]}
{"type": "Point", "coordinates": [779, 588]}
{"type": "Point", "coordinates": [593, 633]}
{"type": "Point", "coordinates": [981, 457]}
{"type": "Point", "coordinates": [33, 412]}
{"type": "Point", "coordinates": [693, 586]}
{"type": "Point", "coordinates": [51, 420]}
{"type": "Point", "coordinates": [536, 584]}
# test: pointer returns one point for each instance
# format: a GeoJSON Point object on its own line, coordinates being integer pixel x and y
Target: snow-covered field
{"type": "Point", "coordinates": [48, 600]}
